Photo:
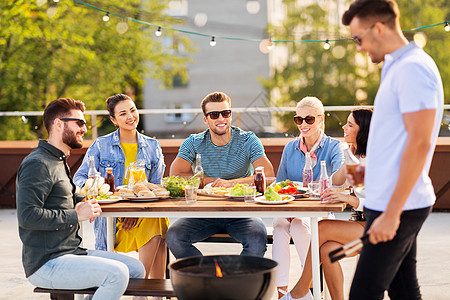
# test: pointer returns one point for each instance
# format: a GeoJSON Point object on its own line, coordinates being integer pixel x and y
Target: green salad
{"type": "Point", "coordinates": [175, 185]}
{"type": "Point", "coordinates": [237, 190]}
{"type": "Point", "coordinates": [271, 195]}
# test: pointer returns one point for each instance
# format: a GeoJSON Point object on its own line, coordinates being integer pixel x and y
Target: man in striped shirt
{"type": "Point", "coordinates": [229, 156]}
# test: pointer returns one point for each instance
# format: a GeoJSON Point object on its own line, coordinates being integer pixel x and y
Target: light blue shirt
{"type": "Point", "coordinates": [293, 159]}
{"type": "Point", "coordinates": [231, 161]}
{"type": "Point", "coordinates": [108, 153]}
{"type": "Point", "coordinates": [410, 82]}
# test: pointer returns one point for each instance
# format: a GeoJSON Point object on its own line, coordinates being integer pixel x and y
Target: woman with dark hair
{"type": "Point", "coordinates": [117, 150]}
{"type": "Point", "coordinates": [335, 233]}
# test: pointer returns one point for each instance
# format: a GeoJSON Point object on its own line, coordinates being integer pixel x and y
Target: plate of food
{"type": "Point", "coordinates": [144, 191]}
{"type": "Point", "coordinates": [105, 199]}
{"type": "Point", "coordinates": [283, 199]}
{"type": "Point", "coordinates": [237, 192]}
{"type": "Point", "coordinates": [293, 188]}
{"type": "Point", "coordinates": [213, 191]}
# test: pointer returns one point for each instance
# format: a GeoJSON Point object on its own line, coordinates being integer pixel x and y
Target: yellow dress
{"type": "Point", "coordinates": [146, 228]}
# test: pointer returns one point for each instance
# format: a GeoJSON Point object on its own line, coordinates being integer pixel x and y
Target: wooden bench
{"type": "Point", "coordinates": [136, 287]}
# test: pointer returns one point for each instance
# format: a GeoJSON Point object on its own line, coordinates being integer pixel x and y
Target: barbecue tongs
{"type": "Point", "coordinates": [348, 248]}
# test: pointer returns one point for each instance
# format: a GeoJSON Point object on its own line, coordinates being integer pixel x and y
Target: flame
{"type": "Point", "coordinates": [218, 270]}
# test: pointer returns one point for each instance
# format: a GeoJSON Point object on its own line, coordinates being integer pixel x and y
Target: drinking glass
{"type": "Point", "coordinates": [190, 193]}
{"type": "Point", "coordinates": [313, 190]}
{"type": "Point", "coordinates": [249, 194]}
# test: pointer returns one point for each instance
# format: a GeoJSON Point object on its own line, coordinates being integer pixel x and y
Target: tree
{"type": "Point", "coordinates": [340, 76]}
{"type": "Point", "coordinates": [50, 50]}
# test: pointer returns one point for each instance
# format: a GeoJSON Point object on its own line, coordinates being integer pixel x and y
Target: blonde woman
{"type": "Point", "coordinates": [117, 150]}
{"type": "Point", "coordinates": [310, 122]}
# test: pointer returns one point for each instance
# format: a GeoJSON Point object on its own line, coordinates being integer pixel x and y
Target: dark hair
{"type": "Point", "coordinates": [60, 108]}
{"type": "Point", "coordinates": [362, 117]}
{"type": "Point", "coordinates": [215, 97]}
{"type": "Point", "coordinates": [112, 101]}
{"type": "Point", "coordinates": [379, 10]}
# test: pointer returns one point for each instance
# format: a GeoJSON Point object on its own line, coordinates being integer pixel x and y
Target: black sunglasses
{"type": "Point", "coordinates": [80, 122]}
{"type": "Point", "coordinates": [308, 119]}
{"type": "Point", "coordinates": [358, 39]}
{"type": "Point", "coordinates": [215, 114]}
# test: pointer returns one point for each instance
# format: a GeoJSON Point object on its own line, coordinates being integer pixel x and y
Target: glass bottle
{"type": "Point", "coordinates": [307, 170]}
{"type": "Point", "coordinates": [92, 170]}
{"type": "Point", "coordinates": [324, 180]}
{"type": "Point", "coordinates": [260, 180]}
{"type": "Point", "coordinates": [353, 165]}
{"type": "Point", "coordinates": [198, 171]}
{"type": "Point", "coordinates": [109, 179]}
{"type": "Point", "coordinates": [92, 191]}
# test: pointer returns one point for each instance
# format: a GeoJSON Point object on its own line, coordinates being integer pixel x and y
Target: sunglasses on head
{"type": "Point", "coordinates": [308, 119]}
{"type": "Point", "coordinates": [79, 122]}
{"type": "Point", "coordinates": [215, 114]}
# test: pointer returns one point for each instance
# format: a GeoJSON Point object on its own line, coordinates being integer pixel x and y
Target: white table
{"type": "Point", "coordinates": [209, 207]}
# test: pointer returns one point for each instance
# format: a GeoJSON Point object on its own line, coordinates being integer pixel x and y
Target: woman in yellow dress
{"type": "Point", "coordinates": [117, 150]}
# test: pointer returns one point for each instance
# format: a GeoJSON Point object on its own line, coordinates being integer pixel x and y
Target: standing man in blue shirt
{"type": "Point", "coordinates": [229, 156]}
{"type": "Point", "coordinates": [407, 113]}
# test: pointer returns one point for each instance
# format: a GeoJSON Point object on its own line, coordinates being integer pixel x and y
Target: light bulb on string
{"type": "Point", "coordinates": [158, 31]}
{"type": "Point", "coordinates": [213, 41]}
{"type": "Point", "coordinates": [56, 1]}
{"type": "Point", "coordinates": [265, 46]}
{"type": "Point", "coordinates": [270, 44]}
{"type": "Point", "coordinates": [253, 6]}
{"type": "Point", "coordinates": [447, 26]}
{"type": "Point", "coordinates": [326, 46]}
{"type": "Point", "coordinates": [106, 17]}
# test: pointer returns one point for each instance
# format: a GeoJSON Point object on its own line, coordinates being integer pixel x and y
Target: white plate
{"type": "Point", "coordinates": [263, 200]}
{"type": "Point", "coordinates": [121, 187]}
{"type": "Point", "coordinates": [149, 199]}
{"type": "Point", "coordinates": [110, 200]}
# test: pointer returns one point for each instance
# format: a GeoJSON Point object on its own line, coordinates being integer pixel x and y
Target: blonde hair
{"type": "Point", "coordinates": [313, 102]}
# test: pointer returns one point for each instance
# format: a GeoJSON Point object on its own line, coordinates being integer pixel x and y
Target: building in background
{"type": "Point", "coordinates": [232, 67]}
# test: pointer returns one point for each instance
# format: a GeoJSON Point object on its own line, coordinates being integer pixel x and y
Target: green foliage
{"type": "Point", "coordinates": [351, 80]}
{"type": "Point", "coordinates": [75, 54]}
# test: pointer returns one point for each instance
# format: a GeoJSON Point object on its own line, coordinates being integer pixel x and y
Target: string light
{"type": "Point", "coordinates": [326, 46]}
{"type": "Point", "coordinates": [158, 31]}
{"type": "Point", "coordinates": [270, 45]}
{"type": "Point", "coordinates": [56, 1]}
{"type": "Point", "coordinates": [213, 41]}
{"type": "Point", "coordinates": [106, 17]}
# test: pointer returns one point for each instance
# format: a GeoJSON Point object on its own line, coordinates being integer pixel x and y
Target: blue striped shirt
{"type": "Point", "coordinates": [231, 161]}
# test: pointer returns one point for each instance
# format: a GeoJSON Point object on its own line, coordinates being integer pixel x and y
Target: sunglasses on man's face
{"type": "Point", "coordinates": [358, 39]}
{"type": "Point", "coordinates": [308, 119]}
{"type": "Point", "coordinates": [79, 122]}
{"type": "Point", "coordinates": [215, 114]}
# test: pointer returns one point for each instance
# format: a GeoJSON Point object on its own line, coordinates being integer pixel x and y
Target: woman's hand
{"type": "Point", "coordinates": [333, 196]}
{"type": "Point", "coordinates": [128, 223]}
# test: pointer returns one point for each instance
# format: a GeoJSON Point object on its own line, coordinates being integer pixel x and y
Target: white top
{"type": "Point", "coordinates": [410, 82]}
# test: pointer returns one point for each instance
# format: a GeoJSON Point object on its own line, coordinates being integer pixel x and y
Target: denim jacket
{"type": "Point", "coordinates": [108, 153]}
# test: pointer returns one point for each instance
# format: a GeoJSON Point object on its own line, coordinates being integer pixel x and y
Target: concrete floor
{"type": "Point", "coordinates": [433, 258]}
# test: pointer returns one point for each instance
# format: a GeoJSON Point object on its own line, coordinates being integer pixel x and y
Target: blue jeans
{"type": "Point", "coordinates": [108, 271]}
{"type": "Point", "coordinates": [250, 232]}
{"type": "Point", "coordinates": [390, 266]}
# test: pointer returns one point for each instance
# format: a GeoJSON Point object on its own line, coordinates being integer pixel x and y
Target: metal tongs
{"type": "Point", "coordinates": [348, 249]}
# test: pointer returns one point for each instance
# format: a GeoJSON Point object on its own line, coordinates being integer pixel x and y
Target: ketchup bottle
{"type": "Point", "coordinates": [260, 180]}
{"type": "Point", "coordinates": [109, 179]}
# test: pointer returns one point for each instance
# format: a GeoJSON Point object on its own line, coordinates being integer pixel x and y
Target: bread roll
{"type": "Point", "coordinates": [126, 193]}
{"type": "Point", "coordinates": [161, 192]}
{"type": "Point", "coordinates": [151, 186]}
{"type": "Point", "coordinates": [104, 189]}
{"type": "Point", "coordinates": [139, 187]}
{"type": "Point", "coordinates": [146, 194]}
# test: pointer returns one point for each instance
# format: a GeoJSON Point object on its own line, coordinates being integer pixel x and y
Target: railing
{"type": "Point", "coordinates": [238, 110]}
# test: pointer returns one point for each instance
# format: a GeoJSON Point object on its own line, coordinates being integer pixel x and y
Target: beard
{"type": "Point", "coordinates": [224, 131]}
{"type": "Point", "coordinates": [70, 139]}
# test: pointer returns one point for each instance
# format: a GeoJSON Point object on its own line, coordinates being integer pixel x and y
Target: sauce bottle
{"type": "Point", "coordinates": [109, 179]}
{"type": "Point", "coordinates": [260, 180]}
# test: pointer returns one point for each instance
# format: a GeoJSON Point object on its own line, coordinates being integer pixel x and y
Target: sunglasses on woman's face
{"type": "Point", "coordinates": [79, 122]}
{"type": "Point", "coordinates": [308, 119]}
{"type": "Point", "coordinates": [215, 114]}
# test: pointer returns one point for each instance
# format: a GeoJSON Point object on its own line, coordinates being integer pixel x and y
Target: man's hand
{"type": "Point", "coordinates": [88, 210]}
{"type": "Point", "coordinates": [384, 228]}
{"type": "Point", "coordinates": [222, 183]}
{"type": "Point", "coordinates": [128, 223]}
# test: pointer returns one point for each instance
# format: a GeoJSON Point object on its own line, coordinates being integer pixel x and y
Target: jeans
{"type": "Point", "coordinates": [250, 232]}
{"type": "Point", "coordinates": [390, 266]}
{"type": "Point", "coordinates": [108, 271]}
